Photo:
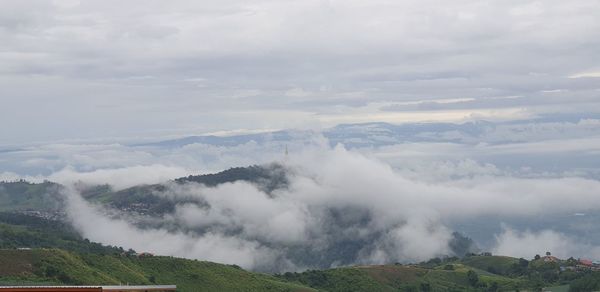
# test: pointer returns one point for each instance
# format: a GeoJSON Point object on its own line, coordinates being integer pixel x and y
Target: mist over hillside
{"type": "Point", "coordinates": [321, 206]}
{"type": "Point", "coordinates": [336, 145]}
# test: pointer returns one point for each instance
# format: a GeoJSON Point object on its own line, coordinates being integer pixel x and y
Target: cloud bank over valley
{"type": "Point", "coordinates": [374, 201]}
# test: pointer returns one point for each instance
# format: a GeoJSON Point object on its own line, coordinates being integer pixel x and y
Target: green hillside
{"type": "Point", "coordinates": [54, 266]}
{"type": "Point", "coordinates": [27, 231]}
{"type": "Point", "coordinates": [144, 200]}
{"type": "Point", "coordinates": [25, 196]}
{"type": "Point", "coordinates": [501, 265]}
{"type": "Point", "coordinates": [46, 198]}
{"type": "Point", "coordinates": [39, 251]}
{"type": "Point", "coordinates": [403, 278]}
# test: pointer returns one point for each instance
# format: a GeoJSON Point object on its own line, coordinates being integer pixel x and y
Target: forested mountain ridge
{"type": "Point", "coordinates": [45, 197]}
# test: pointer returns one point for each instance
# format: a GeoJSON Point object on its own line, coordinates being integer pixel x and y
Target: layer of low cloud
{"type": "Point", "coordinates": [528, 243]}
{"type": "Point", "coordinates": [211, 247]}
{"type": "Point", "coordinates": [395, 193]}
{"type": "Point", "coordinates": [118, 178]}
{"type": "Point", "coordinates": [342, 200]}
{"type": "Point", "coordinates": [518, 147]}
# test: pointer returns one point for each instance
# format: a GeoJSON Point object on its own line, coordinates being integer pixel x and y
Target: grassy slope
{"type": "Point", "coordinates": [63, 267]}
{"type": "Point", "coordinates": [54, 266]}
{"type": "Point", "coordinates": [83, 262]}
{"type": "Point", "coordinates": [402, 278]}
{"type": "Point", "coordinates": [497, 264]}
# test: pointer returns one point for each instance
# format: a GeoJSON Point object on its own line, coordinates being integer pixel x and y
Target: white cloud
{"type": "Point", "coordinates": [586, 75]}
{"type": "Point", "coordinates": [120, 178]}
{"type": "Point", "coordinates": [527, 244]}
{"type": "Point", "coordinates": [212, 247]}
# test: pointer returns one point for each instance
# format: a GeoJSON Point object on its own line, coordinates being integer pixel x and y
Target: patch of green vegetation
{"type": "Point", "coordinates": [268, 177]}
{"type": "Point", "coordinates": [25, 231]}
{"type": "Point", "coordinates": [403, 278]}
{"type": "Point", "coordinates": [23, 196]}
{"type": "Point", "coordinates": [589, 282]}
{"type": "Point", "coordinates": [449, 274]}
{"type": "Point", "coordinates": [340, 279]}
{"type": "Point", "coordinates": [561, 288]}
{"type": "Point", "coordinates": [145, 199]}
{"type": "Point", "coordinates": [142, 199]}
{"type": "Point", "coordinates": [500, 265]}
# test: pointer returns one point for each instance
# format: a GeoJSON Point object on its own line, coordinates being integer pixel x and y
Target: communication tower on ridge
{"type": "Point", "coordinates": [286, 154]}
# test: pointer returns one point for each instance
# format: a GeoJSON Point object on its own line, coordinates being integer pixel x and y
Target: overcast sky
{"type": "Point", "coordinates": [101, 69]}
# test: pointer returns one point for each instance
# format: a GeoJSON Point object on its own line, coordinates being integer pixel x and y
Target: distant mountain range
{"type": "Point", "coordinates": [378, 133]}
{"type": "Point", "coordinates": [351, 135]}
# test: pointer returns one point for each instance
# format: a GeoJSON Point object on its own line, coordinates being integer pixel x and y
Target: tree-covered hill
{"type": "Point", "coordinates": [267, 177]}
{"type": "Point", "coordinates": [144, 199]}
{"type": "Point", "coordinates": [25, 196]}
{"type": "Point", "coordinates": [27, 231]}
{"type": "Point", "coordinates": [46, 200]}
